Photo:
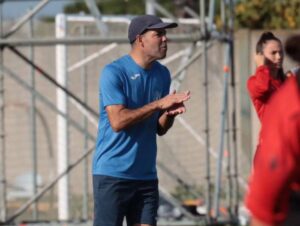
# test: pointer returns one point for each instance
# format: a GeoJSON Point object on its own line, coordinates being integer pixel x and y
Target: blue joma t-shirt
{"type": "Point", "coordinates": [130, 153]}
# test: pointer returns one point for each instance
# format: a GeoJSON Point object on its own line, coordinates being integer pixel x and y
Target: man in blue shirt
{"type": "Point", "coordinates": [135, 105]}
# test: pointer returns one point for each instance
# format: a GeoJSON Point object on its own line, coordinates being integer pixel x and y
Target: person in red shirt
{"type": "Point", "coordinates": [268, 77]}
{"type": "Point", "coordinates": [277, 166]}
{"type": "Point", "coordinates": [269, 74]}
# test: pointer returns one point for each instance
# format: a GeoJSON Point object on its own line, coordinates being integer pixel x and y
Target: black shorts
{"type": "Point", "coordinates": [116, 198]}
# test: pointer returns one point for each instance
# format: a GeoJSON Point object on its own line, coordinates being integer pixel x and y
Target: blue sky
{"type": "Point", "coordinates": [17, 8]}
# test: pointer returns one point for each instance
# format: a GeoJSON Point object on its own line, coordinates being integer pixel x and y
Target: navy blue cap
{"type": "Point", "coordinates": [140, 24]}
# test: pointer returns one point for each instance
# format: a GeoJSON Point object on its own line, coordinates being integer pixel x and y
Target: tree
{"type": "Point", "coordinates": [268, 14]}
{"type": "Point", "coordinates": [252, 14]}
{"type": "Point", "coordinates": [76, 7]}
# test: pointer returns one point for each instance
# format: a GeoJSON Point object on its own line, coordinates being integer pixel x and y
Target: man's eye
{"type": "Point", "coordinates": [159, 34]}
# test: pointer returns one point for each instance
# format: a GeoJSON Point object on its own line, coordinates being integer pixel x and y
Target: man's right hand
{"type": "Point", "coordinates": [173, 100]}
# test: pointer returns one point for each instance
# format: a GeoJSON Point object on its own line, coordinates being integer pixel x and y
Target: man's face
{"type": "Point", "coordinates": [155, 43]}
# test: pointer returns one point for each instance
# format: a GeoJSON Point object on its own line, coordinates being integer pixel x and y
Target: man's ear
{"type": "Point", "coordinates": [139, 39]}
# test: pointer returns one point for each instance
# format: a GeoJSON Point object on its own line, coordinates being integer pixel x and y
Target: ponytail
{"type": "Point", "coordinates": [264, 38]}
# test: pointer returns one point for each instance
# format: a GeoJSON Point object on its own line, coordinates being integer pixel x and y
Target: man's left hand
{"type": "Point", "coordinates": [176, 110]}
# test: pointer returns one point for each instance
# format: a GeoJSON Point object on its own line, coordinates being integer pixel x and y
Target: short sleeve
{"type": "Point", "coordinates": [111, 86]}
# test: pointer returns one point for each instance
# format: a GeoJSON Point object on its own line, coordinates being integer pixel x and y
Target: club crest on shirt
{"type": "Point", "coordinates": [135, 76]}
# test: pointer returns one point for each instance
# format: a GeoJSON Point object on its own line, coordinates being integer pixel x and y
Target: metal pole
{"type": "Point", "coordinates": [229, 158]}
{"type": "Point", "coordinates": [191, 12]}
{"type": "Point", "coordinates": [234, 103]}
{"type": "Point", "coordinates": [92, 6]}
{"type": "Point", "coordinates": [150, 8]}
{"type": "Point", "coordinates": [228, 121]}
{"type": "Point", "coordinates": [188, 53]}
{"type": "Point", "coordinates": [211, 14]}
{"type": "Point", "coordinates": [58, 85]}
{"type": "Point", "coordinates": [165, 194]}
{"type": "Point", "coordinates": [191, 37]}
{"type": "Point", "coordinates": [45, 100]}
{"type": "Point", "coordinates": [223, 17]}
{"type": "Point", "coordinates": [2, 132]}
{"type": "Point", "coordinates": [25, 18]}
{"type": "Point", "coordinates": [85, 126]}
{"type": "Point", "coordinates": [59, 177]}
{"type": "Point", "coordinates": [33, 124]}
{"type": "Point", "coordinates": [206, 113]}
{"type": "Point", "coordinates": [190, 61]}
{"type": "Point", "coordinates": [179, 180]}
{"type": "Point", "coordinates": [163, 11]}
{"type": "Point", "coordinates": [62, 124]}
{"type": "Point", "coordinates": [221, 144]}
{"type": "Point", "coordinates": [91, 57]}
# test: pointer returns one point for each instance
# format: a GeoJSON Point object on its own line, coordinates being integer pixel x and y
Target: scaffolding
{"type": "Point", "coordinates": [200, 41]}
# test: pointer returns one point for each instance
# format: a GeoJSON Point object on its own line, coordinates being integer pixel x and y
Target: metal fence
{"type": "Point", "coordinates": [44, 144]}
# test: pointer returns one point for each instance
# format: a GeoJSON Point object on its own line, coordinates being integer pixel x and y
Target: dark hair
{"type": "Point", "coordinates": [292, 49]}
{"type": "Point", "coordinates": [264, 38]}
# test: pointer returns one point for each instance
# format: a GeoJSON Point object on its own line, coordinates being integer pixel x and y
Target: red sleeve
{"type": "Point", "coordinates": [259, 87]}
{"type": "Point", "coordinates": [259, 83]}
